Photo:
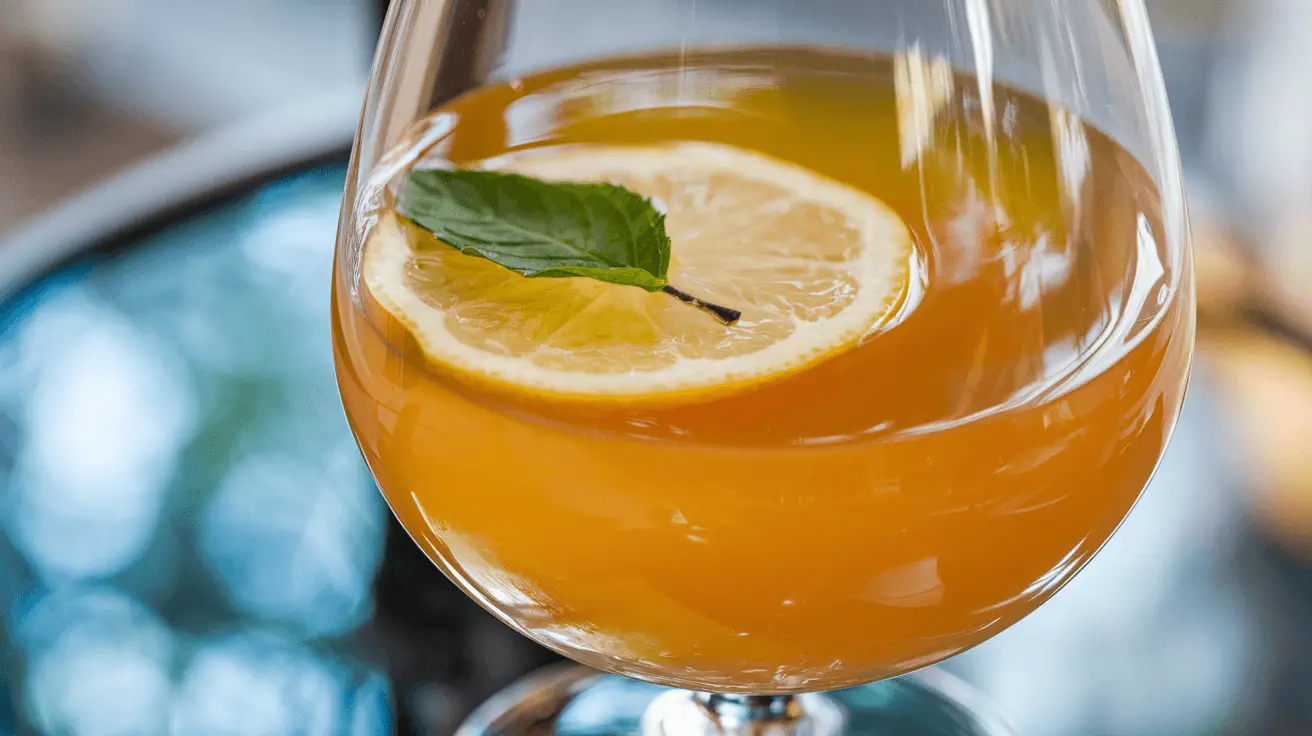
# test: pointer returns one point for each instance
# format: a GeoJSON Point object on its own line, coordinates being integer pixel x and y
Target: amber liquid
{"type": "Point", "coordinates": [883, 510]}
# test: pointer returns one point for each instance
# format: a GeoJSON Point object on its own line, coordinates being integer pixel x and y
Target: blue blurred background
{"type": "Point", "coordinates": [189, 543]}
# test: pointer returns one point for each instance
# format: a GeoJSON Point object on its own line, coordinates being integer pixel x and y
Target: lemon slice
{"type": "Point", "coordinates": [812, 264]}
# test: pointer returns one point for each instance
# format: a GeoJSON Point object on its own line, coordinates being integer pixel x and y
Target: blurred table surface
{"type": "Point", "coordinates": [190, 544]}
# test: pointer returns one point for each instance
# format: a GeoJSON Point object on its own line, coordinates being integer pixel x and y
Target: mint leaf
{"type": "Point", "coordinates": [543, 229]}
{"type": "Point", "coordinates": [549, 229]}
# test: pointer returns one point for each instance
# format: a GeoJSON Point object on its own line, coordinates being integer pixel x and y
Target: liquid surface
{"type": "Point", "coordinates": [874, 513]}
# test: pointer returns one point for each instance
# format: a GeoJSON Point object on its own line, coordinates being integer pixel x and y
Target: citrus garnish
{"type": "Point", "coordinates": [813, 265]}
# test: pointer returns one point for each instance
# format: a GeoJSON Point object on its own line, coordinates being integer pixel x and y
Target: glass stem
{"type": "Point", "coordinates": [739, 713]}
{"type": "Point", "coordinates": [683, 713]}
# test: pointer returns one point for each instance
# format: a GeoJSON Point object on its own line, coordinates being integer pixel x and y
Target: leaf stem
{"type": "Point", "coordinates": [725, 315]}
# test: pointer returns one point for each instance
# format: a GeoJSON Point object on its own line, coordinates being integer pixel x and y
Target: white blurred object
{"type": "Point", "coordinates": [197, 63]}
{"type": "Point", "coordinates": [1262, 113]}
{"type": "Point", "coordinates": [257, 683]}
{"type": "Point", "coordinates": [1153, 638]}
{"type": "Point", "coordinates": [99, 664]}
{"type": "Point", "coordinates": [1262, 135]}
{"type": "Point", "coordinates": [297, 541]}
{"type": "Point", "coordinates": [59, 26]}
{"type": "Point", "coordinates": [1194, 18]}
{"type": "Point", "coordinates": [102, 445]}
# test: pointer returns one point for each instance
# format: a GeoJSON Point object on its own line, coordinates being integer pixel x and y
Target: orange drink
{"type": "Point", "coordinates": [961, 353]}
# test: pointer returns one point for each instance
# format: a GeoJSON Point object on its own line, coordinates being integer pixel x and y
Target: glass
{"type": "Point", "coordinates": [833, 521]}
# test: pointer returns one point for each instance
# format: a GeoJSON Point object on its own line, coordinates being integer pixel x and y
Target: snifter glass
{"type": "Point", "coordinates": [957, 235]}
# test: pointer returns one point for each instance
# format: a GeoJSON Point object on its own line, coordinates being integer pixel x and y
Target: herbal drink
{"type": "Point", "coordinates": [887, 499]}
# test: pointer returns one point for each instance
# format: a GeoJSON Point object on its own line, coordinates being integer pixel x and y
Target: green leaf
{"type": "Point", "coordinates": [544, 229]}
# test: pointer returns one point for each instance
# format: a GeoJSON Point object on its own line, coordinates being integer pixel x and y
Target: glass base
{"type": "Point", "coordinates": [570, 700]}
